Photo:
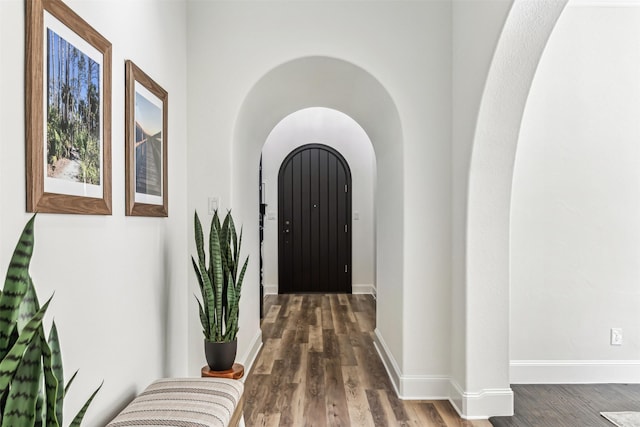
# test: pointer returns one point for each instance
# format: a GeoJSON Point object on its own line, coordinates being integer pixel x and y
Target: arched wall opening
{"type": "Point", "coordinates": [339, 131]}
{"type": "Point", "coordinates": [339, 85]}
{"type": "Point", "coordinates": [484, 373]}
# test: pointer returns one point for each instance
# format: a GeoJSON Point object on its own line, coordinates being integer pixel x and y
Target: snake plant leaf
{"type": "Point", "coordinates": [218, 281]}
{"type": "Point", "coordinates": [53, 406]}
{"type": "Point", "coordinates": [20, 408]}
{"type": "Point", "coordinates": [40, 413]}
{"type": "Point", "coordinates": [199, 238]}
{"type": "Point", "coordinates": [231, 300]}
{"type": "Point", "coordinates": [208, 298]}
{"type": "Point", "coordinates": [239, 248]}
{"type": "Point", "coordinates": [233, 238]}
{"type": "Point", "coordinates": [208, 295]}
{"type": "Point", "coordinates": [16, 285]}
{"type": "Point", "coordinates": [68, 385]}
{"type": "Point", "coordinates": [224, 240]}
{"type": "Point", "coordinates": [11, 361]}
{"type": "Point", "coordinates": [55, 390]}
{"type": "Point", "coordinates": [215, 224]}
{"type": "Point", "coordinates": [241, 278]}
{"type": "Point", "coordinates": [203, 320]}
{"type": "Point", "coordinates": [28, 307]}
{"type": "Point", "coordinates": [77, 420]}
{"type": "Point", "coordinates": [198, 274]}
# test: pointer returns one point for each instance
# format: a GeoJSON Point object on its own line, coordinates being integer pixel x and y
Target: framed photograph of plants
{"type": "Point", "coordinates": [146, 144]}
{"type": "Point", "coordinates": [68, 112]}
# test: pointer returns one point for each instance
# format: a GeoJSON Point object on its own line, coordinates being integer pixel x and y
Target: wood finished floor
{"type": "Point", "coordinates": [574, 405]}
{"type": "Point", "coordinates": [318, 367]}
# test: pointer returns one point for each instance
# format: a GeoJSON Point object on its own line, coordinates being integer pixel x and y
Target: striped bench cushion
{"type": "Point", "coordinates": [183, 402]}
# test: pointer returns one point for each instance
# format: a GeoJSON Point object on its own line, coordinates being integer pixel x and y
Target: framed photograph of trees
{"type": "Point", "coordinates": [68, 112]}
{"type": "Point", "coordinates": [146, 144]}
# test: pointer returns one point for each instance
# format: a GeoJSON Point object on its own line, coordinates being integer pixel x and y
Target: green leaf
{"type": "Point", "coordinates": [218, 281]}
{"type": "Point", "coordinates": [28, 307]}
{"type": "Point", "coordinates": [55, 390]}
{"type": "Point", "coordinates": [68, 386]}
{"type": "Point", "coordinates": [20, 408]}
{"type": "Point", "coordinates": [203, 320]}
{"type": "Point", "coordinates": [11, 361]}
{"type": "Point", "coordinates": [215, 230]}
{"type": "Point", "coordinates": [199, 239]}
{"type": "Point", "coordinates": [77, 420]}
{"type": "Point", "coordinates": [208, 298]}
{"type": "Point", "coordinates": [16, 285]}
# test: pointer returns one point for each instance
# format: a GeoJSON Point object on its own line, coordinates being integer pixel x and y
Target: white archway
{"type": "Point", "coordinates": [340, 85]}
{"type": "Point", "coordinates": [485, 376]}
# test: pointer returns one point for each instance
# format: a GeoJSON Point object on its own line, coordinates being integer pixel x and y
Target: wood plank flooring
{"type": "Point", "coordinates": [318, 367]}
{"type": "Point", "coordinates": [575, 405]}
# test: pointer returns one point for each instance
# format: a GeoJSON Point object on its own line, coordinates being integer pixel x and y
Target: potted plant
{"type": "Point", "coordinates": [32, 387]}
{"type": "Point", "coordinates": [220, 286]}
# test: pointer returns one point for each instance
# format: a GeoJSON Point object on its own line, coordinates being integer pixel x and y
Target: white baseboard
{"type": "Point", "coordinates": [482, 404]}
{"type": "Point", "coordinates": [470, 405]}
{"type": "Point", "coordinates": [363, 288]}
{"type": "Point", "coordinates": [368, 289]}
{"type": "Point", "coordinates": [574, 371]}
{"type": "Point", "coordinates": [271, 289]}
{"type": "Point", "coordinates": [250, 356]}
{"type": "Point", "coordinates": [411, 387]}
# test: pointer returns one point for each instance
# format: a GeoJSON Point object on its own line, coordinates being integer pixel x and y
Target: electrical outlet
{"type": "Point", "coordinates": [616, 336]}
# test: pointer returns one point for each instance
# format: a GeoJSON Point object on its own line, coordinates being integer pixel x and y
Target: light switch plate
{"type": "Point", "coordinates": [214, 202]}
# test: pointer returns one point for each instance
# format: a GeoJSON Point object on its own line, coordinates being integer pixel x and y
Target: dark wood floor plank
{"type": "Point", "coordinates": [347, 356]}
{"type": "Point", "coordinates": [377, 409]}
{"type": "Point", "coordinates": [572, 405]}
{"type": "Point", "coordinates": [314, 408]}
{"type": "Point", "coordinates": [335, 396]}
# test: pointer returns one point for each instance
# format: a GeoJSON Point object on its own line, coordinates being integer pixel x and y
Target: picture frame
{"type": "Point", "coordinates": [68, 112]}
{"type": "Point", "coordinates": [146, 116]}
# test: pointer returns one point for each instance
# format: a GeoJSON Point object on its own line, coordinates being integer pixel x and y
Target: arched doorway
{"type": "Point", "coordinates": [335, 129]}
{"type": "Point", "coordinates": [301, 83]}
{"type": "Point", "coordinates": [314, 215]}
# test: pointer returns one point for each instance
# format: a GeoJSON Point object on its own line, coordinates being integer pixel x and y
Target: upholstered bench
{"type": "Point", "coordinates": [185, 402]}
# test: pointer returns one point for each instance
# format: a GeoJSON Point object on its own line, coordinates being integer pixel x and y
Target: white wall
{"type": "Point", "coordinates": [406, 47]}
{"type": "Point", "coordinates": [339, 131]}
{"type": "Point", "coordinates": [476, 27]}
{"type": "Point", "coordinates": [575, 233]}
{"type": "Point", "coordinates": [120, 283]}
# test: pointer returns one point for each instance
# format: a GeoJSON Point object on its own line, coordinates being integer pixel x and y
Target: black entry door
{"type": "Point", "coordinates": [314, 212]}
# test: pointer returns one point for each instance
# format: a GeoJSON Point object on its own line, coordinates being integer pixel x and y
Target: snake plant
{"type": "Point", "coordinates": [220, 283]}
{"type": "Point", "coordinates": [32, 388]}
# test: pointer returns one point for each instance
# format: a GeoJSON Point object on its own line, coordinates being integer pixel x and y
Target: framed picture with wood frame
{"type": "Point", "coordinates": [68, 112]}
{"type": "Point", "coordinates": [146, 144]}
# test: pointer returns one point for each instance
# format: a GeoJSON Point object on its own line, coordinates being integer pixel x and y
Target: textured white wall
{"type": "Point", "coordinates": [486, 297]}
{"type": "Point", "coordinates": [475, 32]}
{"type": "Point", "coordinates": [406, 46]}
{"type": "Point", "coordinates": [575, 234]}
{"type": "Point", "coordinates": [339, 131]}
{"type": "Point", "coordinates": [120, 283]}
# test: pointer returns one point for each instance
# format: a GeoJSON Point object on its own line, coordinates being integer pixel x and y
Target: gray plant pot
{"type": "Point", "coordinates": [220, 355]}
